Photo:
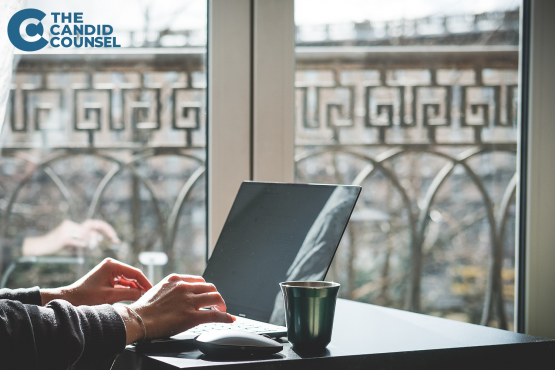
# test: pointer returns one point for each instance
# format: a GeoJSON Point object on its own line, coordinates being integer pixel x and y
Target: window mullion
{"type": "Point", "coordinates": [229, 107]}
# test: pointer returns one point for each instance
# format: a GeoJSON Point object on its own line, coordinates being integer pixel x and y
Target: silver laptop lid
{"type": "Point", "coordinates": [273, 233]}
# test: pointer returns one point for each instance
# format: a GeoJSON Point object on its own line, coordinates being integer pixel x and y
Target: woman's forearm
{"type": "Point", "coordinates": [59, 335]}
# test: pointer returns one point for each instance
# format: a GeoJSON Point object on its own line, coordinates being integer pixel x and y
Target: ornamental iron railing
{"type": "Point", "coordinates": [118, 137]}
{"type": "Point", "coordinates": [429, 132]}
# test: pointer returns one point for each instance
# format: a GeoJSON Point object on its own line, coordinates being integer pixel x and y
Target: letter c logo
{"type": "Point", "coordinates": [27, 21]}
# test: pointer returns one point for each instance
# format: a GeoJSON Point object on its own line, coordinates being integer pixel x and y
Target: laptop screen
{"type": "Point", "coordinates": [277, 232]}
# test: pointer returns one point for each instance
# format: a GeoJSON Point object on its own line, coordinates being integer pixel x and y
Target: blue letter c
{"type": "Point", "coordinates": [13, 30]}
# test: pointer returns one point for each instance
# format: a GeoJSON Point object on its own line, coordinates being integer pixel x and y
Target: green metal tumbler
{"type": "Point", "coordinates": [309, 310]}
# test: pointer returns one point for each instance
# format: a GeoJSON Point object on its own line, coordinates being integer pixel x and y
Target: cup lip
{"type": "Point", "coordinates": [329, 284]}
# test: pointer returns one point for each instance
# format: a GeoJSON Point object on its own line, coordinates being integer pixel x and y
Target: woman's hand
{"type": "Point", "coordinates": [70, 234]}
{"type": "Point", "coordinates": [110, 281]}
{"type": "Point", "coordinates": [173, 306]}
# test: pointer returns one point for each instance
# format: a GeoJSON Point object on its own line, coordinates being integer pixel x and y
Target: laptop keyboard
{"type": "Point", "coordinates": [241, 323]}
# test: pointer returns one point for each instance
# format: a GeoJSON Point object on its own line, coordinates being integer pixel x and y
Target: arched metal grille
{"type": "Point", "coordinates": [429, 132]}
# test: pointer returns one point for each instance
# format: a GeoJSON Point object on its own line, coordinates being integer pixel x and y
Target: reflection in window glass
{"type": "Point", "coordinates": [416, 101]}
{"type": "Point", "coordinates": [116, 135]}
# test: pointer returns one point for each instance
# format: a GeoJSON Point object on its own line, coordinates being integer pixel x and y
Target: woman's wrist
{"type": "Point", "coordinates": [47, 295]}
{"type": "Point", "coordinates": [133, 327]}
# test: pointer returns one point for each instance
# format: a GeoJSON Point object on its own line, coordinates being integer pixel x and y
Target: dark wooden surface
{"type": "Point", "coordinates": [372, 337]}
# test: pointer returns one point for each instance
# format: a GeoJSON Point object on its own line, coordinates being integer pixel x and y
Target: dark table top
{"type": "Point", "coordinates": [368, 336]}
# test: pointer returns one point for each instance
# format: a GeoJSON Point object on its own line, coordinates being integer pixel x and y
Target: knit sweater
{"type": "Point", "coordinates": [58, 335]}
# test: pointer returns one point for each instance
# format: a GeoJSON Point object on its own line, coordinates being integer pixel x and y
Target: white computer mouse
{"type": "Point", "coordinates": [228, 343]}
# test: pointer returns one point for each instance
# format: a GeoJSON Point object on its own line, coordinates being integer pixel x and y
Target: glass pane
{"type": "Point", "coordinates": [416, 101]}
{"type": "Point", "coordinates": [110, 134]}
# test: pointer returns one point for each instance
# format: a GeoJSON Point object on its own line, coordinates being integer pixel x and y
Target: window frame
{"type": "Point", "coordinates": [251, 75]}
{"type": "Point", "coordinates": [536, 277]}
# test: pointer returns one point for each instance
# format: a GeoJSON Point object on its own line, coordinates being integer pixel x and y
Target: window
{"type": "Point", "coordinates": [112, 134]}
{"type": "Point", "coordinates": [416, 102]}
{"type": "Point", "coordinates": [389, 94]}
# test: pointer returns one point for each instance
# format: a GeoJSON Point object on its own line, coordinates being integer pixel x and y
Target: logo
{"type": "Point", "coordinates": [27, 22]}
{"type": "Point", "coordinates": [26, 31]}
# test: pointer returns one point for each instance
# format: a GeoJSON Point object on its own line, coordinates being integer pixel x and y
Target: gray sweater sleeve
{"type": "Point", "coordinates": [26, 296]}
{"type": "Point", "coordinates": [57, 336]}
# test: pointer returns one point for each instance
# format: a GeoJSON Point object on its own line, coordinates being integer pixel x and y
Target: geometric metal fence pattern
{"type": "Point", "coordinates": [367, 118]}
{"type": "Point", "coordinates": [118, 116]}
{"type": "Point", "coordinates": [359, 119]}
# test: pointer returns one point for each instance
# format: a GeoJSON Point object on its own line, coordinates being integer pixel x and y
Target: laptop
{"type": "Point", "coordinates": [274, 232]}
